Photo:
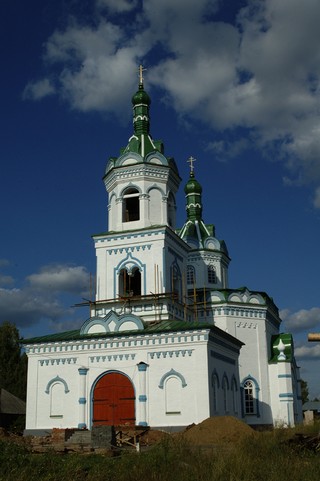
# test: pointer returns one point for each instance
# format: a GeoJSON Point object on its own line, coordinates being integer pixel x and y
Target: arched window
{"type": "Point", "coordinates": [130, 282]}
{"type": "Point", "coordinates": [131, 205]}
{"type": "Point", "coordinates": [173, 395]}
{"type": "Point", "coordinates": [212, 278]}
{"type": "Point", "coordinates": [176, 281]}
{"type": "Point", "coordinates": [249, 400]}
{"type": "Point", "coordinates": [225, 388]}
{"type": "Point", "coordinates": [191, 275]}
{"type": "Point", "coordinates": [171, 210]}
{"type": "Point", "coordinates": [215, 387]}
{"type": "Point", "coordinates": [234, 389]}
{"type": "Point", "coordinates": [56, 400]}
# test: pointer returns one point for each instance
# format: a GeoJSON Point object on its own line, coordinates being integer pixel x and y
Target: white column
{"type": "Point", "coordinates": [142, 367]}
{"type": "Point", "coordinates": [82, 399]}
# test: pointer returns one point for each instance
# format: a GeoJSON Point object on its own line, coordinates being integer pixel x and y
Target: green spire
{"type": "Point", "coordinates": [194, 229]}
{"type": "Point", "coordinates": [141, 141]}
{"type": "Point", "coordinates": [193, 191]}
{"type": "Point", "coordinates": [141, 103]}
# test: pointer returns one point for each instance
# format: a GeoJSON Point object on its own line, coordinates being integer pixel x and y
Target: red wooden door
{"type": "Point", "coordinates": [113, 401]}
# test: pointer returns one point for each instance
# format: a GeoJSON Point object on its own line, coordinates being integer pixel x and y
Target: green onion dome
{"type": "Point", "coordinates": [192, 186]}
{"type": "Point", "coordinates": [141, 97]}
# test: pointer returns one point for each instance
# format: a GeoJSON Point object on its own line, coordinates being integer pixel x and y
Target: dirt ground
{"type": "Point", "coordinates": [217, 430]}
{"type": "Point", "coordinates": [212, 431]}
{"type": "Point", "coordinates": [221, 430]}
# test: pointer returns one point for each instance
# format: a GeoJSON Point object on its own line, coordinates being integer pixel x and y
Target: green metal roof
{"type": "Point", "coordinates": [150, 328]}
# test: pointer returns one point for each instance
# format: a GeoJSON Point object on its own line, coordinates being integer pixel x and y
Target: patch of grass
{"type": "Point", "coordinates": [267, 456]}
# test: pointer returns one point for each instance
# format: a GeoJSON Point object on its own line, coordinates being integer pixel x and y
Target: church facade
{"type": "Point", "coordinates": [168, 343]}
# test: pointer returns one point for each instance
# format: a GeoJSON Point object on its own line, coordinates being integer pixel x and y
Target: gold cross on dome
{"type": "Point", "coordinates": [141, 70]}
{"type": "Point", "coordinates": [191, 160]}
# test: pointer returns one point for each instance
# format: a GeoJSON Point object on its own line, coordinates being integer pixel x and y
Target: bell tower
{"type": "Point", "coordinates": [140, 259]}
{"type": "Point", "coordinates": [142, 182]}
{"type": "Point", "coordinates": [208, 257]}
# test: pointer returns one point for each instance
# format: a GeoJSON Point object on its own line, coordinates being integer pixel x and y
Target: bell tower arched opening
{"type": "Point", "coordinates": [130, 282]}
{"type": "Point", "coordinates": [131, 205]}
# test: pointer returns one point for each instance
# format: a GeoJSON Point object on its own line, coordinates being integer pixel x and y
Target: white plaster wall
{"type": "Point", "coordinates": [145, 178]}
{"type": "Point", "coordinates": [282, 397]}
{"type": "Point", "coordinates": [184, 353]}
{"type": "Point", "coordinates": [222, 368]}
{"type": "Point", "coordinates": [249, 326]}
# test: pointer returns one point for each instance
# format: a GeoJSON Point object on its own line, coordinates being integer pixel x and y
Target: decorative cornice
{"type": "Point", "coordinates": [112, 358]}
{"type": "Point", "coordinates": [122, 250]}
{"type": "Point", "coordinates": [132, 341]}
{"type": "Point", "coordinates": [63, 360]}
{"type": "Point", "coordinates": [170, 354]}
{"type": "Point", "coordinates": [247, 325]}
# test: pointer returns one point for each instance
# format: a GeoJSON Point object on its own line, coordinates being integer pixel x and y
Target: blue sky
{"type": "Point", "coordinates": [233, 83]}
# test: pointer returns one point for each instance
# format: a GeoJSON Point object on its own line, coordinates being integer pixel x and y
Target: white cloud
{"type": "Point", "coordinates": [261, 73]}
{"type": "Point", "coordinates": [38, 90]}
{"type": "Point", "coordinates": [316, 200]}
{"type": "Point", "coordinates": [55, 278]}
{"type": "Point", "coordinates": [302, 319]}
{"type": "Point", "coordinates": [24, 307]}
{"type": "Point", "coordinates": [308, 352]}
{"type": "Point", "coordinates": [224, 150]}
{"type": "Point", "coordinates": [6, 280]}
{"type": "Point", "coordinates": [117, 6]}
{"type": "Point", "coordinates": [44, 296]}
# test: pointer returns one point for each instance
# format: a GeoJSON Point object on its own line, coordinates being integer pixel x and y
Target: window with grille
{"type": "Point", "coordinates": [191, 275]}
{"type": "Point", "coordinates": [212, 277]}
{"type": "Point", "coordinates": [249, 401]}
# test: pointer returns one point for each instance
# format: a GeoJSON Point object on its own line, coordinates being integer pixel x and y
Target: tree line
{"type": "Point", "coordinates": [13, 361]}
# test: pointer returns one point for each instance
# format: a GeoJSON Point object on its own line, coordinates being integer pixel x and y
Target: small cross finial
{"type": "Point", "coordinates": [191, 160]}
{"type": "Point", "coordinates": [141, 70]}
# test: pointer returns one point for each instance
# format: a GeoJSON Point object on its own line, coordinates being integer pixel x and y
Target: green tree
{"type": "Point", "coordinates": [13, 364]}
{"type": "Point", "coordinates": [304, 391]}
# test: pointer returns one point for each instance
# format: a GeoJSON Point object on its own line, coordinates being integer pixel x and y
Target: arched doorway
{"type": "Point", "coordinates": [113, 401]}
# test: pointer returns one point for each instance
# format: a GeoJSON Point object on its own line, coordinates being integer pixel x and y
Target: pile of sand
{"type": "Point", "coordinates": [217, 430]}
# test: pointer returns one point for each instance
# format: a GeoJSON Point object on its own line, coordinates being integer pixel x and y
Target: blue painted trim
{"type": "Point", "coordinates": [82, 400]}
{"type": "Point", "coordinates": [122, 265]}
{"type": "Point", "coordinates": [114, 318]}
{"type": "Point", "coordinates": [129, 318]}
{"type": "Point", "coordinates": [54, 380]}
{"type": "Point", "coordinates": [286, 394]}
{"type": "Point", "coordinates": [288, 376]}
{"type": "Point", "coordinates": [142, 398]}
{"type": "Point", "coordinates": [82, 426]}
{"type": "Point", "coordinates": [142, 423]}
{"type": "Point", "coordinates": [142, 366]}
{"type": "Point", "coordinates": [257, 389]}
{"type": "Point", "coordinates": [173, 373]}
{"type": "Point", "coordinates": [83, 371]}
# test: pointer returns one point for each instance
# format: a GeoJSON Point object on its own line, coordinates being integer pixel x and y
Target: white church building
{"type": "Point", "coordinates": [168, 342]}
